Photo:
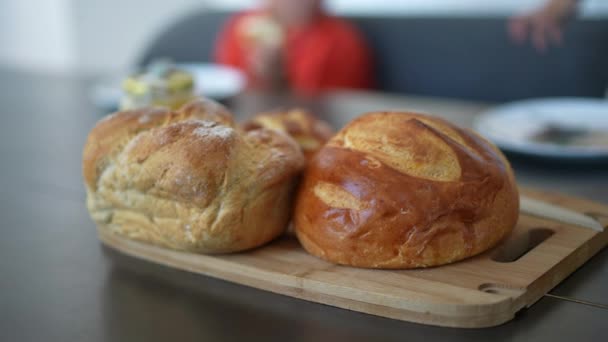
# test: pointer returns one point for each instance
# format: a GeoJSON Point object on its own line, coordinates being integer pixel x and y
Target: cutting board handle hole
{"type": "Point", "coordinates": [517, 246]}
{"type": "Point", "coordinates": [500, 289]}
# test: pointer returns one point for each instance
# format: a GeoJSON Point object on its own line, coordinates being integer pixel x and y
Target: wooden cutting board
{"type": "Point", "coordinates": [482, 291]}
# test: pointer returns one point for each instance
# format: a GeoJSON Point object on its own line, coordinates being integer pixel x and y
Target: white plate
{"type": "Point", "coordinates": [211, 80]}
{"type": "Point", "coordinates": [513, 126]}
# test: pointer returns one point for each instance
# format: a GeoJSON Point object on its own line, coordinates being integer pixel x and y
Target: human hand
{"type": "Point", "coordinates": [543, 26]}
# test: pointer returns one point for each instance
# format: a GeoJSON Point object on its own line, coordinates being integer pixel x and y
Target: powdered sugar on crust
{"type": "Point", "coordinates": [134, 142]}
{"type": "Point", "coordinates": [210, 128]}
{"type": "Point", "coordinates": [205, 123]}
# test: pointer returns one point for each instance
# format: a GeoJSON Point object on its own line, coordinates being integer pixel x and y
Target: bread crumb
{"type": "Point", "coordinates": [144, 119]}
{"type": "Point", "coordinates": [188, 231]}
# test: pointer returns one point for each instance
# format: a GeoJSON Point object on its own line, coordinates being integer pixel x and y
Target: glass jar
{"type": "Point", "coordinates": [161, 84]}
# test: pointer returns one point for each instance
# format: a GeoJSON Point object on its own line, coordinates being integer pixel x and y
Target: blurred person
{"type": "Point", "coordinates": [296, 45]}
{"type": "Point", "coordinates": [543, 26]}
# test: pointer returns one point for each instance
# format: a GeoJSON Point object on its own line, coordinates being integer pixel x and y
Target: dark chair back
{"type": "Point", "coordinates": [191, 39]}
{"type": "Point", "coordinates": [470, 58]}
{"type": "Point", "coordinates": [473, 58]}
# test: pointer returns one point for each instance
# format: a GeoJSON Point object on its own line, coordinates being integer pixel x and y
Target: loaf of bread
{"type": "Point", "coordinates": [405, 190]}
{"type": "Point", "coordinates": [309, 131]}
{"type": "Point", "coordinates": [190, 179]}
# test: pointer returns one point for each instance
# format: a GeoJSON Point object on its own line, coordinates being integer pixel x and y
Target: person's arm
{"type": "Point", "coordinates": [266, 66]}
{"type": "Point", "coordinates": [263, 65]}
{"type": "Point", "coordinates": [543, 26]}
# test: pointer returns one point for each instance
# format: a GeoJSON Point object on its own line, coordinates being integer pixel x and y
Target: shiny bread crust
{"type": "Point", "coordinates": [405, 190]}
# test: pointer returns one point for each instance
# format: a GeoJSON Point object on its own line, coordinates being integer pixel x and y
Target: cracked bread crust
{"type": "Point", "coordinates": [189, 179]}
{"type": "Point", "coordinates": [310, 132]}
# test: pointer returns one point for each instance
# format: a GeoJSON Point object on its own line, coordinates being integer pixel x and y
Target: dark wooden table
{"type": "Point", "coordinates": [57, 283]}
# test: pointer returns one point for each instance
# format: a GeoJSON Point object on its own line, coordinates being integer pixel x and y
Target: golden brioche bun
{"type": "Point", "coordinates": [405, 190]}
{"type": "Point", "coordinates": [189, 179]}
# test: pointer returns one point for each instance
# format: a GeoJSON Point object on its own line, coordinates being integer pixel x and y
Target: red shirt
{"type": "Point", "coordinates": [328, 53]}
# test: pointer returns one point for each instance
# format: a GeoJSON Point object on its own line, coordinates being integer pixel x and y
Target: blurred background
{"type": "Point", "coordinates": [66, 64]}
{"type": "Point", "coordinates": [129, 54]}
{"type": "Point", "coordinates": [96, 37]}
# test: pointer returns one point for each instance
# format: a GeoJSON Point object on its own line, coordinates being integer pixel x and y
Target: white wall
{"type": "Point", "coordinates": [107, 35]}
{"type": "Point", "coordinates": [111, 33]}
{"type": "Point", "coordinates": [37, 35]}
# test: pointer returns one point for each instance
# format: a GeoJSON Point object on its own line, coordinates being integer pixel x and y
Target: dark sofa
{"type": "Point", "coordinates": [470, 58]}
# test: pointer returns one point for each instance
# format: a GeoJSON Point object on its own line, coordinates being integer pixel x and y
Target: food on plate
{"type": "Point", "coordinates": [307, 130]}
{"type": "Point", "coordinates": [553, 133]}
{"type": "Point", "coordinates": [160, 84]}
{"type": "Point", "coordinates": [405, 190]}
{"type": "Point", "coordinates": [190, 179]}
